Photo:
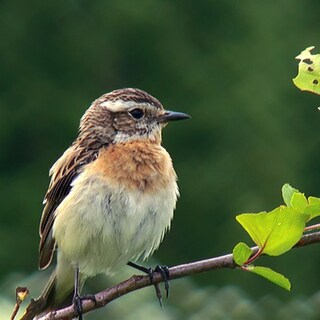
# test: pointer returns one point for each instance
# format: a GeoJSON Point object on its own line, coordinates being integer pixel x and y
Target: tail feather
{"type": "Point", "coordinates": [58, 292]}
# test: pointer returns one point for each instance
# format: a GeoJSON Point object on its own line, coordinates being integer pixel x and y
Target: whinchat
{"type": "Point", "coordinates": [112, 193]}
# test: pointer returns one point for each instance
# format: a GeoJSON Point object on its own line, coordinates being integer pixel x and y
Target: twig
{"type": "Point", "coordinates": [21, 293]}
{"type": "Point", "coordinates": [138, 282]}
{"type": "Point", "coordinates": [312, 228]}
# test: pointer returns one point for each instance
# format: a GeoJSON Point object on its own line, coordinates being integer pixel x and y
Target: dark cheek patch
{"type": "Point", "coordinates": [123, 122]}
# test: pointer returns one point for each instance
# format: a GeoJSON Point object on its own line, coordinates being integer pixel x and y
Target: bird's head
{"type": "Point", "coordinates": [126, 115]}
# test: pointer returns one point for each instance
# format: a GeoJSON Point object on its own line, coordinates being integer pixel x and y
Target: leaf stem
{"type": "Point", "coordinates": [256, 255]}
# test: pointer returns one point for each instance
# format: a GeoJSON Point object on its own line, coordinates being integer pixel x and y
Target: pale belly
{"type": "Point", "coordinates": [99, 227]}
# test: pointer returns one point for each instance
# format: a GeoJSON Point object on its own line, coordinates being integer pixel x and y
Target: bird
{"type": "Point", "coordinates": [112, 193]}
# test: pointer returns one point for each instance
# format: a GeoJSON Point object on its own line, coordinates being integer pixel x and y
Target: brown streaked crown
{"type": "Point", "coordinates": [130, 95]}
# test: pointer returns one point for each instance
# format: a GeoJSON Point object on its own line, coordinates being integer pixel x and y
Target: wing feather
{"type": "Point", "coordinates": [62, 173]}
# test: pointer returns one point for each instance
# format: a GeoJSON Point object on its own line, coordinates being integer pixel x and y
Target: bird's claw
{"type": "Point", "coordinates": [77, 303]}
{"type": "Point", "coordinates": [163, 270]}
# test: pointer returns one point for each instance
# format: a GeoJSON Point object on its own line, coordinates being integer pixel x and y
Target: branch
{"type": "Point", "coordinates": [138, 281]}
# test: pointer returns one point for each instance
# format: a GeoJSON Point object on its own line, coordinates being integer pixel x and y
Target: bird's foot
{"type": "Point", "coordinates": [77, 303]}
{"type": "Point", "coordinates": [163, 270]}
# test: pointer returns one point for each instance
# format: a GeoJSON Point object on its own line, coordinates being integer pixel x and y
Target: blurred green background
{"type": "Point", "coordinates": [227, 63]}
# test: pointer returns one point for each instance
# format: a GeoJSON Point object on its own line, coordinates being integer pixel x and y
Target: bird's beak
{"type": "Point", "coordinates": [173, 116]}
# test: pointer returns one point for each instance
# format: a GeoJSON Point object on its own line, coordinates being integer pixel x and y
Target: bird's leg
{"type": "Point", "coordinates": [163, 270]}
{"type": "Point", "coordinates": [77, 299]}
{"type": "Point", "coordinates": [77, 303]}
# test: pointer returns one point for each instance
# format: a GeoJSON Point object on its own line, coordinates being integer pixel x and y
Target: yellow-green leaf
{"type": "Point", "coordinates": [275, 232]}
{"type": "Point", "coordinates": [308, 78]}
{"type": "Point", "coordinates": [299, 202]}
{"type": "Point", "coordinates": [313, 208]}
{"type": "Point", "coordinates": [271, 275]}
{"type": "Point", "coordinates": [287, 193]}
{"type": "Point", "coordinates": [241, 253]}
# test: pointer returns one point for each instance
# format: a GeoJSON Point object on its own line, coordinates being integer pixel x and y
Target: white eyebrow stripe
{"type": "Point", "coordinates": [118, 106]}
{"type": "Point", "coordinates": [123, 106]}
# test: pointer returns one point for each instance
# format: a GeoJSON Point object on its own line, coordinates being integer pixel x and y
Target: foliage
{"type": "Point", "coordinates": [275, 232]}
{"type": "Point", "coordinates": [308, 78]}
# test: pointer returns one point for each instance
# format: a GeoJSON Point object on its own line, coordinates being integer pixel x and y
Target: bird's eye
{"type": "Point", "coordinates": [136, 113]}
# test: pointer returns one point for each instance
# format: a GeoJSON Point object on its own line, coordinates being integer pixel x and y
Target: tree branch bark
{"type": "Point", "coordinates": [138, 281]}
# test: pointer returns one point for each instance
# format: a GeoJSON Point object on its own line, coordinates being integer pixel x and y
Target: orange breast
{"type": "Point", "coordinates": [135, 165]}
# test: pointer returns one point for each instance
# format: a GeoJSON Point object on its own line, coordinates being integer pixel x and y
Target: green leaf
{"type": "Point", "coordinates": [313, 208]}
{"type": "Point", "coordinates": [287, 193]}
{"type": "Point", "coordinates": [241, 253]}
{"type": "Point", "coordinates": [271, 275]}
{"type": "Point", "coordinates": [299, 202]}
{"type": "Point", "coordinates": [275, 232]}
{"type": "Point", "coordinates": [308, 78]}
{"type": "Point", "coordinates": [314, 200]}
